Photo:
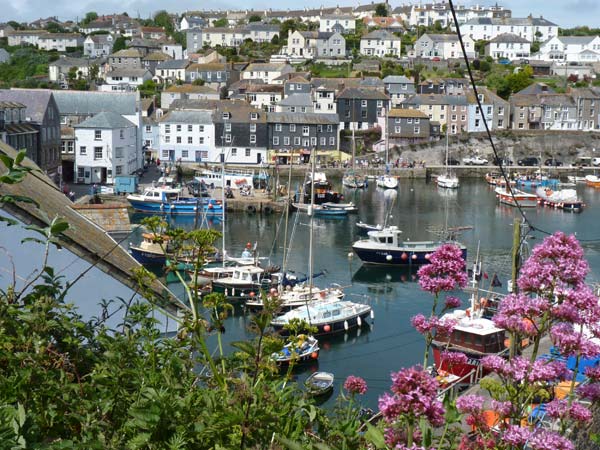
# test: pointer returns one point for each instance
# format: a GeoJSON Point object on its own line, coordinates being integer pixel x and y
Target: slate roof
{"type": "Point", "coordinates": [266, 67]}
{"type": "Point", "coordinates": [442, 37]}
{"type": "Point", "coordinates": [173, 64]}
{"type": "Point", "coordinates": [187, 116]}
{"type": "Point", "coordinates": [407, 112]}
{"type": "Point", "coordinates": [303, 118]}
{"type": "Point", "coordinates": [127, 73]}
{"type": "Point", "coordinates": [36, 101]}
{"type": "Point", "coordinates": [381, 35]}
{"type": "Point", "coordinates": [106, 120]}
{"type": "Point", "coordinates": [576, 40]}
{"type": "Point", "coordinates": [296, 100]}
{"type": "Point", "coordinates": [127, 53]}
{"type": "Point", "coordinates": [67, 61]}
{"type": "Point", "coordinates": [536, 88]}
{"type": "Point", "coordinates": [510, 38]}
{"type": "Point", "coordinates": [191, 89]}
{"type": "Point", "coordinates": [517, 21]}
{"type": "Point", "coordinates": [4, 55]}
{"type": "Point", "coordinates": [363, 94]}
{"type": "Point", "coordinates": [156, 56]}
{"type": "Point", "coordinates": [400, 79]}
{"type": "Point", "coordinates": [92, 102]}
{"type": "Point", "coordinates": [436, 99]}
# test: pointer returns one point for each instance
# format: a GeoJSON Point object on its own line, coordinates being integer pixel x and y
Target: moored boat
{"type": "Point", "coordinates": [511, 196]}
{"type": "Point", "coordinates": [330, 315]}
{"type": "Point", "coordinates": [301, 349]}
{"type": "Point", "coordinates": [152, 250]}
{"type": "Point", "coordinates": [297, 296]}
{"type": "Point", "coordinates": [319, 384]}
{"type": "Point", "coordinates": [385, 247]}
{"type": "Point", "coordinates": [244, 282]}
{"type": "Point", "coordinates": [168, 200]}
{"type": "Point", "coordinates": [448, 181]}
{"type": "Point", "coordinates": [564, 199]}
{"type": "Point", "coordinates": [496, 179]}
{"type": "Point", "coordinates": [592, 180]}
{"type": "Point", "coordinates": [365, 227]}
{"type": "Point", "coordinates": [472, 335]}
{"type": "Point", "coordinates": [387, 181]}
{"type": "Point", "coordinates": [353, 181]}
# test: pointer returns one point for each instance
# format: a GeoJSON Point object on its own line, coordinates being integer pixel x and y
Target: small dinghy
{"type": "Point", "coordinates": [319, 384]}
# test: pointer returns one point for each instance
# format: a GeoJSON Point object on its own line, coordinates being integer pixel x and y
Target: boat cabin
{"type": "Point", "coordinates": [250, 274]}
{"type": "Point", "coordinates": [388, 236]}
{"type": "Point", "coordinates": [474, 335]}
{"type": "Point", "coordinates": [161, 194]}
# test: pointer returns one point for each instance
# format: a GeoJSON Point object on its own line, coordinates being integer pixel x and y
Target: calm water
{"type": "Point", "coordinates": [394, 293]}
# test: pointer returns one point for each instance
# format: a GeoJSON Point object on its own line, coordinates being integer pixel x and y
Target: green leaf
{"type": "Point", "coordinates": [8, 221]}
{"type": "Point", "coordinates": [31, 239]}
{"type": "Point", "coordinates": [9, 198]}
{"type": "Point", "coordinates": [7, 161]}
{"type": "Point", "coordinates": [289, 444]}
{"type": "Point", "coordinates": [59, 227]}
{"type": "Point", "coordinates": [375, 436]}
{"type": "Point", "coordinates": [21, 415]}
{"type": "Point", "coordinates": [20, 157]}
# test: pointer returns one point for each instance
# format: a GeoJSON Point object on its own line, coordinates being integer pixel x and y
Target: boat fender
{"type": "Point", "coordinates": [268, 209]}
{"type": "Point", "coordinates": [195, 208]}
{"type": "Point", "coordinates": [414, 256]}
{"type": "Point", "coordinates": [226, 292]}
{"type": "Point", "coordinates": [171, 206]}
{"type": "Point", "coordinates": [327, 328]}
{"type": "Point", "coordinates": [372, 314]}
{"type": "Point", "coordinates": [468, 312]}
{"type": "Point", "coordinates": [251, 209]}
{"type": "Point", "coordinates": [359, 321]}
{"type": "Point", "coordinates": [233, 292]}
{"type": "Point", "coordinates": [346, 325]}
{"type": "Point", "coordinates": [162, 206]}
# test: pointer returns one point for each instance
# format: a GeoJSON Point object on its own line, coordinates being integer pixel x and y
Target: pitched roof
{"type": "Point", "coordinates": [381, 35]}
{"type": "Point", "coordinates": [576, 40]}
{"type": "Point", "coordinates": [127, 53]}
{"type": "Point", "coordinates": [391, 79]}
{"type": "Point", "coordinates": [209, 67]}
{"type": "Point", "coordinates": [191, 89]}
{"type": "Point", "coordinates": [363, 94]}
{"type": "Point", "coordinates": [106, 119]}
{"type": "Point", "coordinates": [407, 112]}
{"type": "Point", "coordinates": [156, 56]}
{"type": "Point", "coordinates": [187, 116]}
{"type": "Point", "coordinates": [266, 67]}
{"type": "Point", "coordinates": [66, 61]}
{"type": "Point", "coordinates": [173, 64]}
{"type": "Point", "coordinates": [36, 101]}
{"type": "Point", "coordinates": [303, 118]}
{"type": "Point", "coordinates": [127, 73]}
{"type": "Point", "coordinates": [510, 38]}
{"type": "Point", "coordinates": [436, 99]}
{"type": "Point", "coordinates": [92, 102]}
{"type": "Point", "coordinates": [262, 87]}
{"type": "Point", "coordinates": [536, 88]}
{"type": "Point", "coordinates": [442, 37]}
{"type": "Point", "coordinates": [296, 100]}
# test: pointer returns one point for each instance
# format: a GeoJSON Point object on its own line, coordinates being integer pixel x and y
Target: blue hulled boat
{"type": "Point", "coordinates": [168, 200]}
{"type": "Point", "coordinates": [385, 247]}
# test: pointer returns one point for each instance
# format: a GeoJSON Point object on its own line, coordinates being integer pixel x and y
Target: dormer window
{"type": "Point", "coordinates": [226, 115]}
{"type": "Point", "coordinates": [253, 116]}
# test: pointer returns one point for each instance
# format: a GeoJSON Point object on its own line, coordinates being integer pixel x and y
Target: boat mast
{"type": "Point", "coordinates": [311, 214]}
{"type": "Point", "coordinates": [287, 215]}
{"type": "Point", "coordinates": [387, 139]}
{"type": "Point", "coordinates": [223, 203]}
{"type": "Point", "coordinates": [446, 149]}
{"type": "Point", "coordinates": [353, 125]}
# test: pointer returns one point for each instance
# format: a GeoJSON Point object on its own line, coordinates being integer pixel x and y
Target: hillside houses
{"type": "Point", "coordinates": [443, 46]}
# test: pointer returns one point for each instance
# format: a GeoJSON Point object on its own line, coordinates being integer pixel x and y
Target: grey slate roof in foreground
{"type": "Point", "coordinates": [88, 103]}
{"type": "Point", "coordinates": [186, 116]}
{"type": "Point", "coordinates": [296, 100]}
{"type": "Point", "coordinates": [105, 119]}
{"type": "Point", "coordinates": [303, 118]}
{"type": "Point", "coordinates": [36, 101]}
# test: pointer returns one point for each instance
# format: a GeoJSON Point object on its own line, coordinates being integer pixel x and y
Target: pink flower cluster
{"type": "Point", "coordinates": [425, 326]}
{"type": "Point", "coordinates": [445, 271]}
{"type": "Point", "coordinates": [452, 302]}
{"type": "Point", "coordinates": [355, 385]}
{"type": "Point", "coordinates": [454, 358]}
{"type": "Point", "coordinates": [414, 393]}
{"type": "Point", "coordinates": [536, 439]}
{"type": "Point", "coordinates": [560, 409]}
{"type": "Point", "coordinates": [572, 342]}
{"type": "Point", "coordinates": [470, 404]}
{"type": "Point", "coordinates": [521, 369]}
{"type": "Point", "coordinates": [517, 313]}
{"type": "Point", "coordinates": [558, 262]}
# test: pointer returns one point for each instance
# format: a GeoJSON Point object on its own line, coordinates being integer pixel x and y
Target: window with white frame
{"type": "Point", "coordinates": [190, 128]}
{"type": "Point", "coordinates": [313, 141]}
{"type": "Point", "coordinates": [252, 128]}
{"type": "Point", "coordinates": [190, 140]}
{"type": "Point", "coordinates": [97, 135]}
{"type": "Point", "coordinates": [118, 152]}
{"type": "Point", "coordinates": [323, 141]}
{"type": "Point", "coordinates": [253, 139]}
{"type": "Point", "coordinates": [234, 152]}
{"type": "Point", "coordinates": [178, 139]}
{"type": "Point", "coordinates": [332, 140]}
{"type": "Point", "coordinates": [167, 128]}
{"type": "Point", "coordinates": [167, 139]}
{"type": "Point", "coordinates": [292, 127]}
{"type": "Point", "coordinates": [227, 127]}
{"type": "Point", "coordinates": [82, 150]}
{"type": "Point", "coordinates": [248, 152]}
{"type": "Point", "coordinates": [118, 170]}
{"type": "Point", "coordinates": [201, 140]}
{"type": "Point", "coordinates": [97, 153]}
{"type": "Point", "coordinates": [286, 140]}
{"type": "Point", "coordinates": [228, 138]}
{"type": "Point", "coordinates": [275, 140]}
{"type": "Point", "coordinates": [397, 129]}
{"type": "Point", "coordinates": [296, 140]}
{"type": "Point", "coordinates": [185, 153]}
{"type": "Point", "coordinates": [363, 103]}
{"type": "Point", "coordinates": [201, 128]}
{"type": "Point", "coordinates": [178, 127]}
{"type": "Point", "coordinates": [305, 130]}
{"type": "Point", "coordinates": [277, 127]}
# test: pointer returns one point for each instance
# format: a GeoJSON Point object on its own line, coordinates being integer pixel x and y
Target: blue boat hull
{"type": "Point", "coordinates": [400, 257]}
{"type": "Point", "coordinates": [147, 258]}
{"type": "Point", "coordinates": [180, 207]}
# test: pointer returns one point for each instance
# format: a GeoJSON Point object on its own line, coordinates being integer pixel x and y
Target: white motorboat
{"type": "Point", "coordinates": [448, 181]}
{"type": "Point", "coordinates": [387, 181]}
{"type": "Point", "coordinates": [511, 196]}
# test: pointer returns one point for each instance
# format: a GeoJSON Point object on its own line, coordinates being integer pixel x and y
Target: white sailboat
{"type": "Point", "coordinates": [447, 180]}
{"type": "Point", "coordinates": [386, 180]}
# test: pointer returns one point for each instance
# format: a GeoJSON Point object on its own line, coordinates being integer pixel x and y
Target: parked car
{"type": "Point", "coordinates": [505, 161]}
{"type": "Point", "coordinates": [553, 162]}
{"type": "Point", "coordinates": [475, 161]}
{"type": "Point", "coordinates": [453, 162]}
{"type": "Point", "coordinates": [529, 161]}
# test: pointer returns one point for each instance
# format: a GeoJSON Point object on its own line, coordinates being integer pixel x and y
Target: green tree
{"type": "Point", "coordinates": [535, 46]}
{"type": "Point", "coordinates": [290, 25]}
{"type": "Point", "coordinates": [480, 47]}
{"type": "Point", "coordinates": [163, 19]}
{"type": "Point", "coordinates": [148, 88]}
{"type": "Point", "coordinates": [16, 25]}
{"type": "Point", "coordinates": [520, 80]}
{"type": "Point", "coordinates": [89, 17]}
{"type": "Point", "coordinates": [254, 18]}
{"type": "Point", "coordinates": [381, 10]}
{"type": "Point", "coordinates": [53, 27]}
{"type": "Point", "coordinates": [120, 44]}
{"type": "Point", "coordinates": [222, 22]}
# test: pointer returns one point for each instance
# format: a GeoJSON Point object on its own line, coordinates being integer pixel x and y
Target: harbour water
{"type": "Point", "coordinates": [391, 343]}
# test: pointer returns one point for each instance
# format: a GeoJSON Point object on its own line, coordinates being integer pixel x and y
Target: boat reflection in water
{"type": "Point", "coordinates": [377, 275]}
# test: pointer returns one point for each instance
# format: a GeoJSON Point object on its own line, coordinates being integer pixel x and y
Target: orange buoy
{"type": "Point", "coordinates": [327, 328]}
{"type": "Point", "coordinates": [314, 355]}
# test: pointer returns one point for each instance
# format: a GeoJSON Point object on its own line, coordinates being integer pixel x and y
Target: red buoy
{"type": "Point", "coordinates": [327, 328]}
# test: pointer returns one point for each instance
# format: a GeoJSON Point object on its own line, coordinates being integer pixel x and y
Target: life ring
{"type": "Point", "coordinates": [268, 209]}
{"type": "Point", "coordinates": [251, 209]}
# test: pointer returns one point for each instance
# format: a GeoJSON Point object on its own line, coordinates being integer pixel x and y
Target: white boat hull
{"type": "Point", "coordinates": [387, 182]}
